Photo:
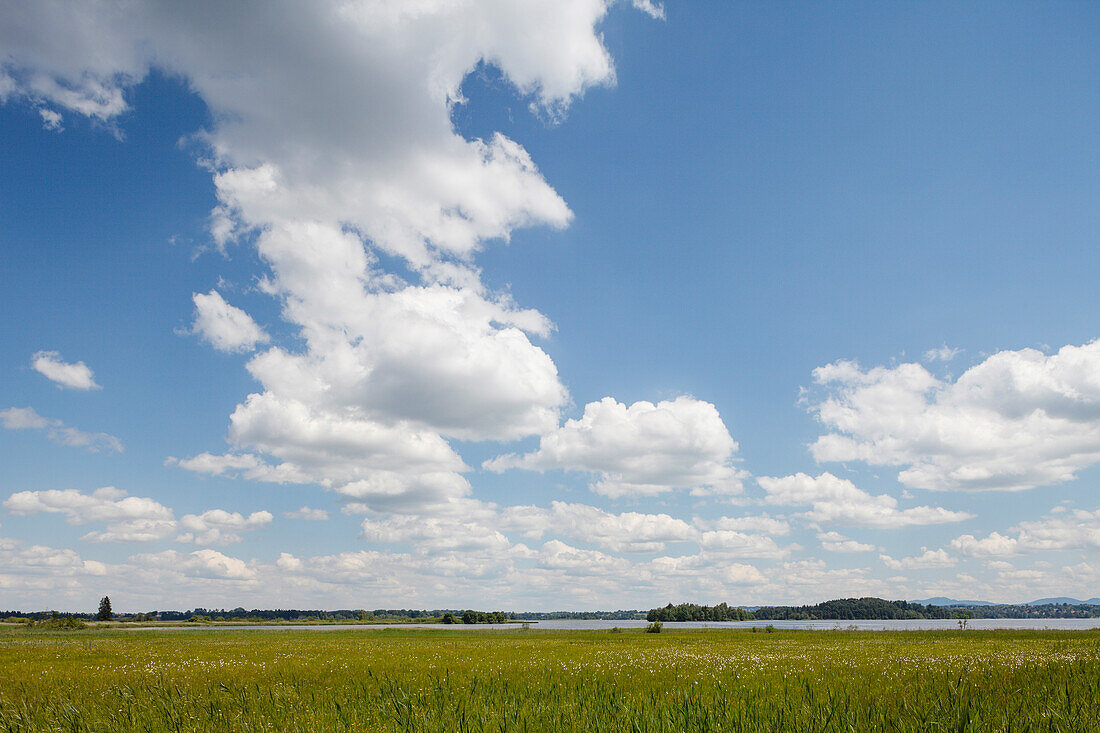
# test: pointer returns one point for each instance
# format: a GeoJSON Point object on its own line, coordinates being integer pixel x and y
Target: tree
{"type": "Point", "coordinates": [105, 613]}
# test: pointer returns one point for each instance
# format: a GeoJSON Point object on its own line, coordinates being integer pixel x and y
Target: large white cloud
{"type": "Point", "coordinates": [219, 527]}
{"type": "Point", "coordinates": [44, 570]}
{"type": "Point", "coordinates": [994, 544]}
{"type": "Point", "coordinates": [332, 140]}
{"type": "Point", "coordinates": [1062, 529]}
{"type": "Point", "coordinates": [1017, 420]}
{"type": "Point", "coordinates": [834, 500]}
{"type": "Point", "coordinates": [641, 449]}
{"type": "Point", "coordinates": [74, 376]}
{"type": "Point", "coordinates": [106, 504]}
{"type": "Point", "coordinates": [200, 563]}
{"type": "Point", "coordinates": [727, 542]}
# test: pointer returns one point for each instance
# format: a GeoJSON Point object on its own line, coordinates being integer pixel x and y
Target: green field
{"type": "Point", "coordinates": [459, 680]}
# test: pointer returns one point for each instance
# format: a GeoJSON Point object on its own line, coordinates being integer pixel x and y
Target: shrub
{"type": "Point", "coordinates": [58, 623]}
{"type": "Point", "coordinates": [654, 628]}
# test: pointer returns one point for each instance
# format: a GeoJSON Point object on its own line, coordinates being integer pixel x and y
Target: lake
{"type": "Point", "coordinates": [1065, 624]}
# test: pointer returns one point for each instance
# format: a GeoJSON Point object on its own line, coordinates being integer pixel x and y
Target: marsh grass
{"type": "Point", "coordinates": [404, 680]}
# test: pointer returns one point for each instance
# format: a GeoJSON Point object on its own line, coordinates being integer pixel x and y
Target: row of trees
{"type": "Point", "coordinates": [290, 614]}
{"type": "Point", "coordinates": [851, 609]}
{"type": "Point", "coordinates": [581, 615]}
{"type": "Point", "coordinates": [693, 612]}
{"type": "Point", "coordinates": [841, 610]}
{"type": "Point", "coordinates": [479, 617]}
{"type": "Point", "coordinates": [1046, 610]}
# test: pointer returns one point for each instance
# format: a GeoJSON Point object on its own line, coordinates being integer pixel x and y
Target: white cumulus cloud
{"type": "Point", "coordinates": [128, 518]}
{"type": "Point", "coordinates": [332, 141]}
{"type": "Point", "coordinates": [74, 376]}
{"type": "Point", "coordinates": [219, 527]}
{"type": "Point", "coordinates": [134, 518]}
{"type": "Point", "coordinates": [223, 326]}
{"type": "Point", "coordinates": [834, 500]}
{"type": "Point", "coordinates": [641, 449]}
{"type": "Point", "coordinates": [200, 563]}
{"type": "Point", "coordinates": [1017, 420]}
{"type": "Point", "coordinates": [625, 532]}
{"type": "Point", "coordinates": [1076, 529]}
{"type": "Point", "coordinates": [927, 559]}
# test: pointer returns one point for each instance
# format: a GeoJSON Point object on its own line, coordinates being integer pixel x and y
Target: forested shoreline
{"type": "Point", "coordinates": [842, 609]}
{"type": "Point", "coordinates": [867, 609]}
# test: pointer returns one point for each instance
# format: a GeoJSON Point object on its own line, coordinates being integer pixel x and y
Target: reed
{"type": "Point", "coordinates": [458, 680]}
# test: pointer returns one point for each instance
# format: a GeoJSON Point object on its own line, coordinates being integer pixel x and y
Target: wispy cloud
{"type": "Point", "coordinates": [26, 418]}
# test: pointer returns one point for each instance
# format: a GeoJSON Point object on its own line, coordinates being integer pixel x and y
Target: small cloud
{"type": "Point", "coordinates": [23, 418]}
{"type": "Point", "coordinates": [26, 418]}
{"type": "Point", "coordinates": [314, 515]}
{"type": "Point", "coordinates": [650, 8]}
{"type": "Point", "coordinates": [74, 376]}
{"type": "Point", "coordinates": [51, 119]}
{"type": "Point", "coordinates": [944, 353]}
{"type": "Point", "coordinates": [927, 559]}
{"type": "Point", "coordinates": [836, 542]}
{"type": "Point", "coordinates": [225, 327]}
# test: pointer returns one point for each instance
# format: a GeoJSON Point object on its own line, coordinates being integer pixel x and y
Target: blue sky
{"type": "Point", "coordinates": [532, 306]}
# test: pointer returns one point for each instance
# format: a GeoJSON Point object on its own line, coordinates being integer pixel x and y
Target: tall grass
{"type": "Point", "coordinates": [403, 680]}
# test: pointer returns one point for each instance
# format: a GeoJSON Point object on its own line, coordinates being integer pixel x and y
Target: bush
{"type": "Point", "coordinates": [57, 623]}
{"type": "Point", "coordinates": [654, 628]}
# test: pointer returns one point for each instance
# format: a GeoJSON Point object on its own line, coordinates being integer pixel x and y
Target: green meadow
{"type": "Point", "coordinates": [465, 680]}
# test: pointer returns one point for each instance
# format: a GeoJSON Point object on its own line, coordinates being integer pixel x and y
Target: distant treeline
{"type": "Point", "coordinates": [260, 614]}
{"type": "Point", "coordinates": [1046, 610]}
{"type": "Point", "coordinates": [852, 609]}
{"type": "Point", "coordinates": [378, 614]}
{"type": "Point", "coordinates": [839, 610]}
{"type": "Point", "coordinates": [692, 612]}
{"type": "Point", "coordinates": [582, 615]}
{"type": "Point", "coordinates": [478, 617]}
{"type": "Point", "coordinates": [290, 614]}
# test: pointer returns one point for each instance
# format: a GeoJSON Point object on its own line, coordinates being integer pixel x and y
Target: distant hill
{"type": "Point", "coordinates": [1059, 600]}
{"type": "Point", "coordinates": [852, 609]}
{"type": "Point", "coordinates": [941, 601]}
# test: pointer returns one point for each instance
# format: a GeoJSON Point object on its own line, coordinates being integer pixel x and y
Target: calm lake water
{"type": "Point", "coordinates": [1069, 624]}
